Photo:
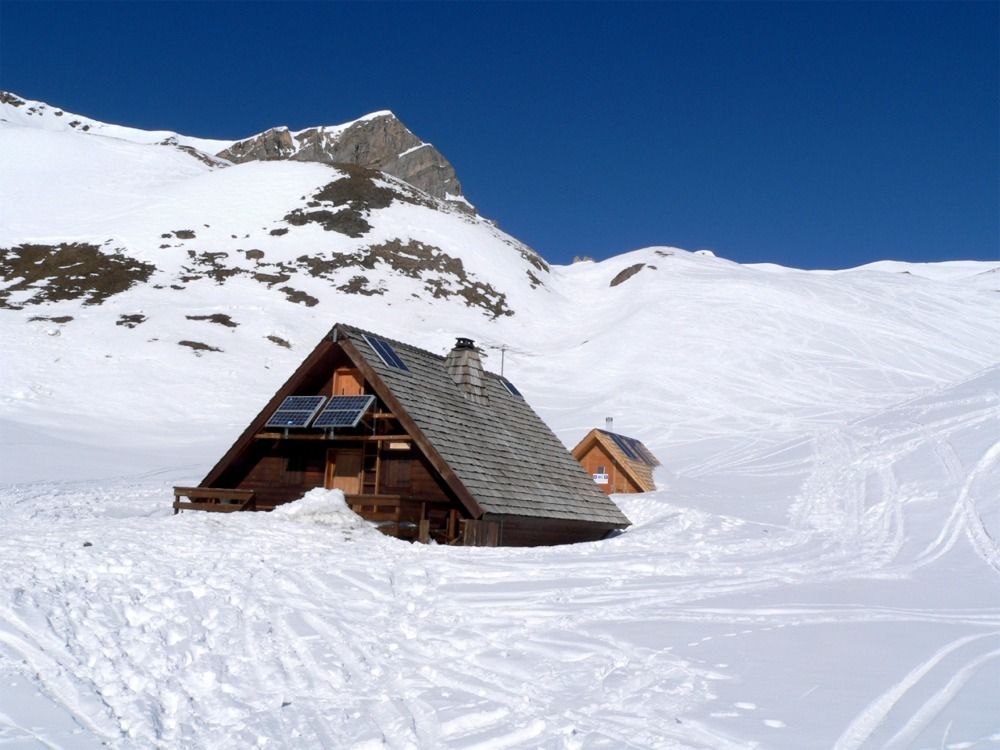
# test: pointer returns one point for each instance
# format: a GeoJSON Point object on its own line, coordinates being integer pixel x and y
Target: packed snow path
{"type": "Point", "coordinates": [847, 599]}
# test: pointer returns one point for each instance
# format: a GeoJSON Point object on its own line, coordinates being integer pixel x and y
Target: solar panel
{"type": "Point", "coordinates": [625, 447]}
{"type": "Point", "coordinates": [644, 453]}
{"type": "Point", "coordinates": [296, 411]}
{"type": "Point", "coordinates": [633, 449]}
{"type": "Point", "coordinates": [510, 387]}
{"type": "Point", "coordinates": [385, 352]}
{"type": "Point", "coordinates": [344, 411]}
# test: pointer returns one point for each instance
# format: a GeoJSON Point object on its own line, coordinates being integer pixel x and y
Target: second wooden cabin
{"type": "Point", "coordinates": [617, 463]}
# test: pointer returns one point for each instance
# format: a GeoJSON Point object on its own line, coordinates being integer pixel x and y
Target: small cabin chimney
{"type": "Point", "coordinates": [466, 369]}
{"type": "Point", "coordinates": [609, 423]}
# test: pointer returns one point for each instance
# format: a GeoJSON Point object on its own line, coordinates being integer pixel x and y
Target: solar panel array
{"type": "Point", "coordinates": [632, 448]}
{"type": "Point", "coordinates": [385, 352]}
{"type": "Point", "coordinates": [624, 446]}
{"type": "Point", "coordinates": [510, 387]}
{"type": "Point", "coordinates": [644, 454]}
{"type": "Point", "coordinates": [296, 411]}
{"type": "Point", "coordinates": [344, 411]}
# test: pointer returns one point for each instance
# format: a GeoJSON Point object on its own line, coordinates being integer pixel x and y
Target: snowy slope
{"type": "Point", "coordinates": [20, 112]}
{"type": "Point", "coordinates": [818, 569]}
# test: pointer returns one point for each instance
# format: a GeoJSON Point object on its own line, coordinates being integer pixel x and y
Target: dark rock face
{"type": "Point", "coordinates": [627, 274]}
{"type": "Point", "coordinates": [7, 97]}
{"type": "Point", "coordinates": [381, 142]}
{"type": "Point", "coordinates": [343, 205]}
{"type": "Point", "coordinates": [68, 271]}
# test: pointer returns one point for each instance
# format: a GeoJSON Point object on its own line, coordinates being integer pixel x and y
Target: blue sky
{"type": "Point", "coordinates": [807, 134]}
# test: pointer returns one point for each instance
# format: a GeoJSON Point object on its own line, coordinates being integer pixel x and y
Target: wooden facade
{"type": "Point", "coordinates": [390, 472]}
{"type": "Point", "coordinates": [378, 465]}
{"type": "Point", "coordinates": [602, 455]}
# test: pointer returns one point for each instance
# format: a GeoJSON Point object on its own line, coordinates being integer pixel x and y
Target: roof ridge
{"type": "Point", "coordinates": [404, 345]}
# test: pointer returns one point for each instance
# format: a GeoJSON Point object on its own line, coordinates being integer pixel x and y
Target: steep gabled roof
{"type": "Point", "coordinates": [634, 459]}
{"type": "Point", "coordinates": [500, 451]}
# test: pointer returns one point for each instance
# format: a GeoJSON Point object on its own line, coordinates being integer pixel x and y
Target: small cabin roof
{"type": "Point", "coordinates": [630, 454]}
{"type": "Point", "coordinates": [499, 449]}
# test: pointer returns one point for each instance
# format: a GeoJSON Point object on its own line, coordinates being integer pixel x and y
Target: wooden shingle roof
{"type": "Point", "coordinates": [500, 451]}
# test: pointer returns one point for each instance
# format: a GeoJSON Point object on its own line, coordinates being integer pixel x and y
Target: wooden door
{"type": "Point", "coordinates": [343, 470]}
{"type": "Point", "coordinates": [347, 382]}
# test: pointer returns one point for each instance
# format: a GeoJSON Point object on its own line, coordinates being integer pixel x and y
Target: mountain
{"type": "Point", "coordinates": [377, 141]}
{"type": "Point", "coordinates": [156, 208]}
{"type": "Point", "coordinates": [818, 567]}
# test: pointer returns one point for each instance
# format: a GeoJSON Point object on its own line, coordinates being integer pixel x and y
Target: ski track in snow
{"type": "Point", "coordinates": [763, 574]}
{"type": "Point", "coordinates": [174, 632]}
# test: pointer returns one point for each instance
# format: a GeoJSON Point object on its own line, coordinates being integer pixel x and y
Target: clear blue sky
{"type": "Point", "coordinates": [807, 134]}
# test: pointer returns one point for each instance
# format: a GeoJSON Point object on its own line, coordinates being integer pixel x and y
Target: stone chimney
{"type": "Point", "coordinates": [466, 369]}
{"type": "Point", "coordinates": [609, 424]}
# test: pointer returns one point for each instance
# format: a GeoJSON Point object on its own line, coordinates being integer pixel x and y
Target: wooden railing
{"type": "Point", "coordinates": [213, 499]}
{"type": "Point", "coordinates": [401, 516]}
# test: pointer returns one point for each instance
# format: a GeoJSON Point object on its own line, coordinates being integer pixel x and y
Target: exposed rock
{"type": "Point", "coordinates": [130, 321]}
{"type": "Point", "coordinates": [279, 341]}
{"type": "Point", "coordinates": [343, 205]}
{"type": "Point", "coordinates": [271, 145]}
{"type": "Point", "coordinates": [346, 221]}
{"type": "Point", "coordinates": [627, 274]}
{"type": "Point", "coordinates": [378, 142]}
{"type": "Point", "coordinates": [359, 285]}
{"type": "Point", "coordinates": [8, 98]}
{"type": "Point", "coordinates": [69, 271]}
{"type": "Point", "coordinates": [299, 297]}
{"type": "Point", "coordinates": [198, 347]}
{"type": "Point", "coordinates": [219, 318]}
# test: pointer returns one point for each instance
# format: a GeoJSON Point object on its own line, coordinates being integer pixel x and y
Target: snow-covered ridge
{"type": "Point", "coordinates": [377, 140]}
{"type": "Point", "coordinates": [16, 111]}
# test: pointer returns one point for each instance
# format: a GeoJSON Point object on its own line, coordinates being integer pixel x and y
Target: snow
{"type": "Point", "coordinates": [413, 148]}
{"type": "Point", "coordinates": [818, 567]}
{"type": "Point", "coordinates": [39, 115]}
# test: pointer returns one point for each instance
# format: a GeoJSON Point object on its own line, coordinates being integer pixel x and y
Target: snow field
{"type": "Point", "coordinates": [703, 625]}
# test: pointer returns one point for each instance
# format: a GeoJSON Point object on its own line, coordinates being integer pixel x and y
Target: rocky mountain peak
{"type": "Point", "coordinates": [378, 141]}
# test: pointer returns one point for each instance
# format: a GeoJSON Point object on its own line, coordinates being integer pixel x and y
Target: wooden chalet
{"type": "Point", "coordinates": [427, 447]}
{"type": "Point", "coordinates": [615, 462]}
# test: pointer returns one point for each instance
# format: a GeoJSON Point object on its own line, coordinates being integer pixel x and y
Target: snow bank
{"type": "Point", "coordinates": [320, 506]}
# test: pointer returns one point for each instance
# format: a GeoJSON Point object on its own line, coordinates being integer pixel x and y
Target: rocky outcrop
{"type": "Point", "coordinates": [379, 141]}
